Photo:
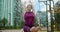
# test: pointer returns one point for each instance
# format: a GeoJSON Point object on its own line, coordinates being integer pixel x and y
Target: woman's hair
{"type": "Point", "coordinates": [30, 5]}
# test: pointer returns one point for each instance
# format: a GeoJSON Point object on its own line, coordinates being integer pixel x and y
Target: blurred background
{"type": "Point", "coordinates": [47, 14]}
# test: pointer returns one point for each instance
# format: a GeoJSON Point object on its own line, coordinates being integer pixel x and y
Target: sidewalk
{"type": "Point", "coordinates": [11, 30]}
{"type": "Point", "coordinates": [21, 30]}
{"type": "Point", "coordinates": [17, 30]}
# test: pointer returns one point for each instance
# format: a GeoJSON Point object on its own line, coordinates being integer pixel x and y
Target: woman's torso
{"type": "Point", "coordinates": [29, 18]}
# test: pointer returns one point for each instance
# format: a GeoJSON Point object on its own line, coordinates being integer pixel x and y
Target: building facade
{"type": "Point", "coordinates": [11, 9]}
{"type": "Point", "coordinates": [0, 8]}
{"type": "Point", "coordinates": [18, 17]}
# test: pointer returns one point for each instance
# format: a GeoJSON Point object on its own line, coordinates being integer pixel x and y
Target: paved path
{"type": "Point", "coordinates": [12, 30]}
{"type": "Point", "coordinates": [20, 31]}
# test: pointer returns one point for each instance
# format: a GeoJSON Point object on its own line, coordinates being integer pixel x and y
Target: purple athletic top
{"type": "Point", "coordinates": [29, 21]}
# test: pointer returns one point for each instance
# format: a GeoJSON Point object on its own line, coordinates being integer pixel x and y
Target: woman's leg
{"type": "Point", "coordinates": [26, 29]}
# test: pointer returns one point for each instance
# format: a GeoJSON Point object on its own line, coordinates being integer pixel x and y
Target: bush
{"type": "Point", "coordinates": [22, 24]}
{"type": "Point", "coordinates": [36, 24]}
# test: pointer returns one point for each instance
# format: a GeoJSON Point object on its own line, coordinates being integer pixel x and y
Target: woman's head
{"type": "Point", "coordinates": [29, 7]}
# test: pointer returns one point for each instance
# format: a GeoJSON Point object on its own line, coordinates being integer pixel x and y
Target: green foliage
{"type": "Point", "coordinates": [36, 24]}
{"type": "Point", "coordinates": [22, 24]}
{"type": "Point", "coordinates": [14, 27]}
{"type": "Point", "coordinates": [4, 21]}
{"type": "Point", "coordinates": [57, 17]}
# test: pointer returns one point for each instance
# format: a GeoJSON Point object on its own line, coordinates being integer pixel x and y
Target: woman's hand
{"type": "Point", "coordinates": [32, 29]}
{"type": "Point", "coordinates": [35, 29]}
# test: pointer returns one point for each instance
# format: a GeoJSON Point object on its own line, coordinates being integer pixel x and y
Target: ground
{"type": "Point", "coordinates": [19, 30]}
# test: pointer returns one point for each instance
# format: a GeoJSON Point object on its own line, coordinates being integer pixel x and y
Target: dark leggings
{"type": "Point", "coordinates": [27, 28]}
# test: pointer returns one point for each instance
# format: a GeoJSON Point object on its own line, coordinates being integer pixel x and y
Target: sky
{"type": "Point", "coordinates": [37, 5]}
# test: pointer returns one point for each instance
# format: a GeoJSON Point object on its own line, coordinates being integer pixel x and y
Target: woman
{"type": "Point", "coordinates": [29, 20]}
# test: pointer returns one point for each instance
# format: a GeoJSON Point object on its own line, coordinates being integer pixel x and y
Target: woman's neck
{"type": "Point", "coordinates": [29, 11]}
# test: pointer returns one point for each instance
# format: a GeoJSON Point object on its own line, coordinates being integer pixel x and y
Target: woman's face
{"type": "Point", "coordinates": [29, 7]}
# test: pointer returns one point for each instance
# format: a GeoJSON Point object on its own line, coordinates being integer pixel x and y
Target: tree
{"type": "Point", "coordinates": [4, 21]}
{"type": "Point", "coordinates": [57, 18]}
